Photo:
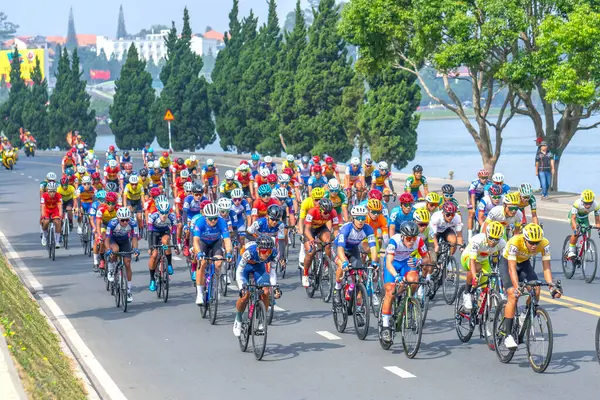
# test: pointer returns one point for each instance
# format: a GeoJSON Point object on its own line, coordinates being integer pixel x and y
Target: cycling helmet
{"type": "Point", "coordinates": [512, 199]}
{"type": "Point", "coordinates": [358, 211]}
{"type": "Point", "coordinates": [264, 190]}
{"type": "Point", "coordinates": [162, 204]}
{"type": "Point", "coordinates": [224, 204]}
{"type": "Point", "coordinates": [264, 172]}
{"type": "Point", "coordinates": [374, 205]}
{"type": "Point", "coordinates": [289, 158]}
{"type": "Point", "coordinates": [101, 195]}
{"type": "Point", "coordinates": [587, 196]}
{"type": "Point", "coordinates": [288, 171]}
{"type": "Point", "coordinates": [125, 153]}
{"type": "Point", "coordinates": [64, 181]}
{"type": "Point", "coordinates": [329, 160]}
{"type": "Point", "coordinates": [96, 176]}
{"type": "Point", "coordinates": [154, 192]}
{"type": "Point", "coordinates": [448, 189]}
{"type": "Point", "coordinates": [255, 157]}
{"type": "Point", "coordinates": [87, 179]}
{"type": "Point", "coordinates": [281, 193]}
{"type": "Point", "coordinates": [274, 212]}
{"type": "Point", "coordinates": [284, 178]}
{"type": "Point", "coordinates": [265, 243]}
{"type": "Point", "coordinates": [243, 166]}
{"type": "Point", "coordinates": [417, 168]}
{"type": "Point", "coordinates": [498, 177]}
{"type": "Point", "coordinates": [52, 186]}
{"type": "Point", "coordinates": [210, 210]}
{"type": "Point", "coordinates": [268, 159]}
{"type": "Point", "coordinates": [150, 150]}
{"type": "Point", "coordinates": [422, 215]}
{"type": "Point", "coordinates": [326, 205]}
{"type": "Point", "coordinates": [525, 189]}
{"type": "Point", "coordinates": [50, 176]}
{"type": "Point", "coordinates": [449, 208]}
{"type": "Point", "coordinates": [433, 197]}
{"type": "Point", "coordinates": [193, 158]}
{"type": "Point", "coordinates": [111, 197]}
{"type": "Point", "coordinates": [494, 230]}
{"type": "Point", "coordinates": [305, 160]}
{"type": "Point", "coordinates": [133, 179]}
{"type": "Point", "coordinates": [69, 171]}
{"type": "Point", "coordinates": [111, 148]}
{"type": "Point", "coordinates": [316, 159]}
{"type": "Point", "coordinates": [272, 178]}
{"type": "Point", "coordinates": [333, 185]}
{"type": "Point", "coordinates": [210, 162]}
{"type": "Point", "coordinates": [317, 169]}
{"type": "Point", "coordinates": [368, 161]}
{"type": "Point", "coordinates": [165, 154]}
{"type": "Point", "coordinates": [355, 161]}
{"type": "Point", "coordinates": [237, 193]}
{"type": "Point", "coordinates": [143, 172]}
{"type": "Point", "coordinates": [81, 169]}
{"type": "Point", "coordinates": [112, 163]}
{"type": "Point", "coordinates": [317, 193]}
{"type": "Point", "coordinates": [204, 203]}
{"type": "Point", "coordinates": [483, 173]}
{"type": "Point", "coordinates": [188, 186]}
{"type": "Point", "coordinates": [197, 188]}
{"type": "Point", "coordinates": [112, 187]}
{"type": "Point", "coordinates": [382, 165]}
{"type": "Point", "coordinates": [229, 175]}
{"type": "Point", "coordinates": [409, 229]}
{"type": "Point", "coordinates": [155, 164]}
{"type": "Point", "coordinates": [533, 232]}
{"type": "Point", "coordinates": [90, 156]}
{"type": "Point", "coordinates": [406, 198]}
{"type": "Point", "coordinates": [184, 174]}
{"type": "Point", "coordinates": [180, 161]}
{"type": "Point", "coordinates": [495, 190]}
{"type": "Point", "coordinates": [69, 154]}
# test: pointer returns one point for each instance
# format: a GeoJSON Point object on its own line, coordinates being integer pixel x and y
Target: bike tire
{"type": "Point", "coordinates": [158, 277]}
{"type": "Point", "coordinates": [424, 303]}
{"type": "Point", "coordinates": [66, 236]}
{"type": "Point", "coordinates": [411, 321]}
{"type": "Point", "coordinates": [451, 280]}
{"type": "Point", "coordinates": [53, 245]}
{"type": "Point", "coordinates": [312, 283]}
{"type": "Point", "coordinates": [463, 320]}
{"type": "Point", "coordinates": [598, 340]}
{"type": "Point", "coordinates": [488, 322]}
{"type": "Point", "coordinates": [213, 300]}
{"type": "Point", "coordinates": [271, 308]}
{"type": "Point", "coordinates": [123, 282]}
{"type": "Point", "coordinates": [244, 337]}
{"type": "Point", "coordinates": [325, 282]}
{"type": "Point", "coordinates": [165, 281]}
{"type": "Point", "coordinates": [568, 265]}
{"type": "Point", "coordinates": [540, 312]}
{"type": "Point", "coordinates": [361, 331]}
{"type": "Point", "coordinates": [340, 314]}
{"type": "Point", "coordinates": [588, 268]}
{"type": "Point", "coordinates": [223, 283]}
{"type": "Point", "coordinates": [116, 288]}
{"type": "Point", "coordinates": [259, 336]}
{"type": "Point", "coordinates": [502, 352]}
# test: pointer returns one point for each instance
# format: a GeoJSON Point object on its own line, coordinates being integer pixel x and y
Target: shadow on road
{"type": "Point", "coordinates": [279, 352]}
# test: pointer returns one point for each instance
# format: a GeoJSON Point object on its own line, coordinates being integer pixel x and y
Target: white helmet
{"type": "Point", "coordinates": [333, 184]}
{"type": "Point", "coordinates": [497, 177]}
{"type": "Point", "coordinates": [80, 146]}
{"type": "Point", "coordinates": [281, 193]}
{"type": "Point", "coordinates": [210, 210]}
{"type": "Point", "coordinates": [123, 213]}
{"type": "Point", "coordinates": [162, 204]}
{"type": "Point", "coordinates": [382, 165]}
{"type": "Point", "coordinates": [188, 186]}
{"type": "Point", "coordinates": [193, 158]}
{"type": "Point", "coordinates": [51, 176]}
{"type": "Point", "coordinates": [264, 172]}
{"type": "Point", "coordinates": [358, 211]}
{"type": "Point", "coordinates": [88, 179]}
{"type": "Point", "coordinates": [112, 163]}
{"type": "Point", "coordinates": [156, 164]}
{"type": "Point", "coordinates": [284, 178]}
{"type": "Point", "coordinates": [133, 179]}
{"type": "Point", "coordinates": [237, 193]}
{"type": "Point", "coordinates": [210, 162]}
{"type": "Point", "coordinates": [229, 175]}
{"type": "Point", "coordinates": [224, 203]}
{"type": "Point", "coordinates": [90, 156]}
{"type": "Point", "coordinates": [244, 167]}
{"type": "Point", "coordinates": [184, 174]}
{"type": "Point", "coordinates": [81, 169]}
{"type": "Point", "coordinates": [355, 161]}
{"type": "Point", "coordinates": [268, 159]}
{"type": "Point", "coordinates": [290, 157]}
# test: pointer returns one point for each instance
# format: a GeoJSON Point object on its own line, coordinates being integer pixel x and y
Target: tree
{"type": "Point", "coordinates": [322, 75]}
{"type": "Point", "coordinates": [71, 42]}
{"type": "Point", "coordinates": [7, 28]}
{"type": "Point", "coordinates": [478, 35]}
{"type": "Point", "coordinates": [11, 112]}
{"type": "Point", "coordinates": [388, 120]}
{"type": "Point", "coordinates": [3, 90]}
{"type": "Point", "coordinates": [132, 104]}
{"type": "Point", "coordinates": [209, 62]}
{"type": "Point", "coordinates": [35, 113]}
{"type": "Point", "coordinates": [349, 112]}
{"type": "Point", "coordinates": [121, 30]}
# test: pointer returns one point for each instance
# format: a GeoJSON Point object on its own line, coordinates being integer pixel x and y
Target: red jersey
{"type": "Point", "coordinates": [150, 206]}
{"type": "Point", "coordinates": [244, 179]}
{"type": "Point", "coordinates": [261, 180]}
{"type": "Point", "coordinates": [259, 207]}
{"type": "Point", "coordinates": [330, 170]}
{"type": "Point", "coordinates": [68, 162]}
{"type": "Point", "coordinates": [51, 203]}
{"type": "Point", "coordinates": [105, 214]}
{"type": "Point", "coordinates": [316, 219]}
{"type": "Point", "coordinates": [112, 174]}
{"type": "Point", "coordinates": [178, 168]}
{"type": "Point", "coordinates": [179, 183]}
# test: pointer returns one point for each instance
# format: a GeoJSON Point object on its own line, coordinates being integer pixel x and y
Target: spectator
{"type": "Point", "coordinates": [544, 167]}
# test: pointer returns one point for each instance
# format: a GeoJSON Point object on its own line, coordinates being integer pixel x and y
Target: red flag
{"type": "Point", "coordinates": [99, 74]}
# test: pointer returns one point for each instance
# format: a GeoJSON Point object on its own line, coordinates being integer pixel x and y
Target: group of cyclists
{"type": "Point", "coordinates": [250, 214]}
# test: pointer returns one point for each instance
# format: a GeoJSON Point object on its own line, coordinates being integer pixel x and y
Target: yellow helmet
{"type": "Point", "coordinates": [374, 205]}
{"type": "Point", "coordinates": [512, 199]}
{"type": "Point", "coordinates": [422, 215]}
{"type": "Point", "coordinates": [494, 230]}
{"type": "Point", "coordinates": [533, 232]}
{"type": "Point", "coordinates": [387, 191]}
{"type": "Point", "coordinates": [317, 193]}
{"type": "Point", "coordinates": [433, 197]}
{"type": "Point", "coordinates": [587, 196]}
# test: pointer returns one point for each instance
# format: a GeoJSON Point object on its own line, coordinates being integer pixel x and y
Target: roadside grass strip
{"type": "Point", "coordinates": [45, 371]}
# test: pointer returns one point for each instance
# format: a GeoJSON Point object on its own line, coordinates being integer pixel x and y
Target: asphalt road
{"type": "Point", "coordinates": [167, 351]}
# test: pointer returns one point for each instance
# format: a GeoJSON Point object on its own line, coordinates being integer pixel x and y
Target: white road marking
{"type": "Point", "coordinates": [22, 173]}
{"type": "Point", "coordinates": [400, 372]}
{"type": "Point", "coordinates": [37, 180]}
{"type": "Point", "coordinates": [277, 308]}
{"type": "Point", "coordinates": [29, 176]}
{"type": "Point", "coordinates": [328, 335]}
{"type": "Point", "coordinates": [177, 258]}
{"type": "Point", "coordinates": [102, 377]}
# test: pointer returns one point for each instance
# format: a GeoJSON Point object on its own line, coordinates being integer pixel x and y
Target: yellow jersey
{"type": "Point", "coordinates": [164, 162]}
{"type": "Point", "coordinates": [516, 249]}
{"type": "Point", "coordinates": [132, 193]}
{"type": "Point", "coordinates": [368, 170]}
{"type": "Point", "coordinates": [292, 165]}
{"type": "Point", "coordinates": [191, 164]}
{"type": "Point", "coordinates": [66, 194]}
{"type": "Point", "coordinates": [306, 205]}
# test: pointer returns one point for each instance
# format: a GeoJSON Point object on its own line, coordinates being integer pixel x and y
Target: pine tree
{"type": "Point", "coordinates": [58, 117]}
{"type": "Point", "coordinates": [3, 90]}
{"type": "Point", "coordinates": [83, 119]}
{"type": "Point", "coordinates": [11, 112]}
{"type": "Point", "coordinates": [132, 104]}
{"type": "Point", "coordinates": [35, 114]}
{"type": "Point", "coordinates": [71, 42]}
{"type": "Point", "coordinates": [121, 30]}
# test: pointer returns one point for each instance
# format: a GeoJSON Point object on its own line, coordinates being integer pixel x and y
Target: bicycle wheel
{"type": "Point", "coordinates": [325, 283]}
{"type": "Point", "coordinates": [204, 306]}
{"type": "Point", "coordinates": [116, 286]}
{"type": "Point", "coordinates": [158, 276]}
{"type": "Point", "coordinates": [463, 320]}
{"type": "Point", "coordinates": [598, 340]}
{"type": "Point", "coordinates": [589, 261]}
{"type": "Point", "coordinates": [123, 282]}
{"type": "Point", "coordinates": [271, 308]}
{"type": "Point", "coordinates": [259, 330]}
{"type": "Point", "coordinates": [504, 354]}
{"type": "Point", "coordinates": [568, 265]}
{"type": "Point", "coordinates": [539, 331]}
{"type": "Point", "coordinates": [361, 313]}
{"type": "Point", "coordinates": [488, 319]}
{"type": "Point", "coordinates": [424, 302]}
{"type": "Point", "coordinates": [65, 235]}
{"type": "Point", "coordinates": [164, 275]}
{"type": "Point", "coordinates": [245, 334]}
{"type": "Point", "coordinates": [213, 300]}
{"type": "Point", "coordinates": [340, 313]}
{"type": "Point", "coordinates": [411, 323]}
{"type": "Point", "coordinates": [52, 240]}
{"type": "Point", "coordinates": [223, 282]}
{"type": "Point", "coordinates": [451, 280]}
{"type": "Point", "coordinates": [312, 278]}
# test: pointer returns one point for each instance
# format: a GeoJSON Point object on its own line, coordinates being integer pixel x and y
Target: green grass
{"type": "Point", "coordinates": [45, 371]}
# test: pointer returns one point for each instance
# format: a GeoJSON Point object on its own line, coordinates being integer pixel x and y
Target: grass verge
{"type": "Point", "coordinates": [44, 369]}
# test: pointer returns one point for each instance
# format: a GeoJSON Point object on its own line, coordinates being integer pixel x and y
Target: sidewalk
{"type": "Point", "coordinates": [11, 387]}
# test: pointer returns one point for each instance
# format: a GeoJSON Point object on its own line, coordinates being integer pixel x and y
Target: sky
{"type": "Point", "coordinates": [99, 17]}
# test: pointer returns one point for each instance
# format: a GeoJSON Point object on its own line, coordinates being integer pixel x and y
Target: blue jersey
{"type": "Point", "coordinates": [261, 226]}
{"type": "Point", "coordinates": [287, 204]}
{"type": "Point", "coordinates": [314, 182]}
{"type": "Point", "coordinates": [94, 209]}
{"type": "Point", "coordinates": [505, 188]}
{"type": "Point", "coordinates": [210, 234]}
{"type": "Point", "coordinates": [354, 173]}
{"type": "Point", "coordinates": [119, 233]}
{"type": "Point", "coordinates": [156, 224]}
{"type": "Point", "coordinates": [191, 206]}
{"type": "Point", "coordinates": [126, 159]}
{"type": "Point", "coordinates": [485, 205]}
{"type": "Point", "coordinates": [251, 256]}
{"type": "Point", "coordinates": [349, 238]}
{"type": "Point", "coordinates": [397, 217]}
{"type": "Point", "coordinates": [241, 211]}
{"type": "Point", "coordinates": [231, 218]}
{"type": "Point", "coordinates": [476, 188]}
{"type": "Point", "coordinates": [272, 167]}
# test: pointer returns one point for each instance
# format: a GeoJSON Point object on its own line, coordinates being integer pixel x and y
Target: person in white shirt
{"type": "Point", "coordinates": [446, 224]}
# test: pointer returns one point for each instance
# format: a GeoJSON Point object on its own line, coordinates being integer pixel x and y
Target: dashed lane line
{"type": "Point", "coordinates": [328, 335]}
{"type": "Point", "coordinates": [399, 372]}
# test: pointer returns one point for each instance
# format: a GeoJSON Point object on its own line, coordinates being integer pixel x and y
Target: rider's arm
{"type": "Point", "coordinates": [389, 260]}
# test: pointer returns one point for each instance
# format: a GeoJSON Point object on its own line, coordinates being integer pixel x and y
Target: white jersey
{"type": "Point", "coordinates": [438, 224]}
{"type": "Point", "coordinates": [479, 249]}
{"type": "Point", "coordinates": [485, 205]}
{"type": "Point", "coordinates": [497, 214]}
{"type": "Point", "coordinates": [397, 249]}
{"type": "Point", "coordinates": [581, 211]}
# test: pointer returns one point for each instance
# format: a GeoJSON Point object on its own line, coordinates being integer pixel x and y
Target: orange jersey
{"type": "Point", "coordinates": [378, 223]}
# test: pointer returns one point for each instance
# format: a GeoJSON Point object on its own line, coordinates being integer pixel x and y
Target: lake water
{"type": "Point", "coordinates": [445, 145]}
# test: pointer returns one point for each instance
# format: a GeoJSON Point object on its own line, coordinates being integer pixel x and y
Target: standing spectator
{"type": "Point", "coordinates": [544, 167]}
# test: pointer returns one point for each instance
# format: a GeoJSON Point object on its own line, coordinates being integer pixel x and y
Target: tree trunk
{"type": "Point", "coordinates": [555, 175]}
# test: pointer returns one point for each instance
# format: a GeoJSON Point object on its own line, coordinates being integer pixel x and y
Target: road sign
{"type": "Point", "coordinates": [169, 115]}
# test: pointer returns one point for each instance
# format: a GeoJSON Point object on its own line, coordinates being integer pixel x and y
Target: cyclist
{"type": "Point", "coordinates": [448, 195]}
{"type": "Point", "coordinates": [368, 169]}
{"type": "Point", "coordinates": [161, 226]}
{"type": "Point", "coordinates": [291, 185]}
{"type": "Point", "coordinates": [52, 209]}
{"type": "Point", "coordinates": [271, 226]}
{"type": "Point", "coordinates": [330, 169]}
{"type": "Point", "coordinates": [304, 171]}
{"type": "Point", "coordinates": [111, 172]}
{"type": "Point", "coordinates": [497, 179]}
{"type": "Point", "coordinates": [67, 193]}
{"type": "Point", "coordinates": [579, 216]}
{"type": "Point", "coordinates": [182, 178]}
{"type": "Point", "coordinates": [400, 265]}
{"type": "Point", "coordinates": [515, 266]}
{"type": "Point", "coordinates": [104, 214]}
{"type": "Point", "coordinates": [132, 198]}
{"type": "Point", "coordinates": [432, 203]}
{"type": "Point", "coordinates": [317, 180]}
{"type": "Point", "coordinates": [177, 167]}
{"type": "Point", "coordinates": [192, 165]}
{"type": "Point", "coordinates": [145, 151]}
{"type": "Point", "coordinates": [126, 158]}
{"type": "Point", "coordinates": [448, 225]}
{"type": "Point", "coordinates": [260, 205]}
{"type": "Point", "coordinates": [289, 163]}
{"type": "Point", "coordinates": [476, 192]}
{"type": "Point", "coordinates": [210, 177]}
{"type": "Point", "coordinates": [191, 208]}
{"type": "Point", "coordinates": [378, 222]}
{"type": "Point", "coordinates": [507, 214]}
{"type": "Point", "coordinates": [254, 260]}
{"type": "Point", "coordinates": [338, 198]}
{"type": "Point", "coordinates": [150, 157]}
{"type": "Point", "coordinates": [528, 199]}
{"type": "Point", "coordinates": [422, 217]}
{"type": "Point", "coordinates": [354, 178]}
{"type": "Point", "coordinates": [164, 161]}
{"type": "Point", "coordinates": [403, 212]}
{"type": "Point", "coordinates": [100, 198]}
{"type": "Point", "coordinates": [156, 173]}
{"type": "Point", "coordinates": [121, 236]}
{"type": "Point", "coordinates": [112, 154]}
{"type": "Point", "coordinates": [242, 209]}
{"type": "Point", "coordinates": [85, 197]}
{"type": "Point", "coordinates": [309, 202]}
{"type": "Point", "coordinates": [229, 184]}
{"type": "Point", "coordinates": [254, 164]}
{"type": "Point", "coordinates": [381, 176]}
{"type": "Point", "coordinates": [91, 164]}
{"type": "Point", "coordinates": [229, 216]}
{"type": "Point", "coordinates": [270, 165]}
{"type": "Point", "coordinates": [414, 182]}
{"type": "Point", "coordinates": [246, 179]}
{"type": "Point", "coordinates": [476, 257]}
{"type": "Point", "coordinates": [68, 161]}
{"type": "Point", "coordinates": [50, 177]}
{"type": "Point", "coordinates": [97, 181]}
{"type": "Point", "coordinates": [492, 198]}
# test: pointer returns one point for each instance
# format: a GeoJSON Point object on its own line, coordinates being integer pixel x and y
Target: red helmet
{"type": "Point", "coordinates": [69, 154]}
{"type": "Point", "coordinates": [111, 197]}
{"type": "Point", "coordinates": [449, 208]}
{"type": "Point", "coordinates": [165, 154]}
{"type": "Point", "coordinates": [375, 194]}
{"type": "Point", "coordinates": [96, 175]}
{"type": "Point", "coordinates": [329, 160]}
{"type": "Point", "coordinates": [204, 203]}
{"type": "Point", "coordinates": [317, 168]}
{"type": "Point", "coordinates": [406, 198]}
{"type": "Point", "coordinates": [316, 159]}
{"type": "Point", "coordinates": [64, 180]}
{"type": "Point", "coordinates": [272, 178]}
{"type": "Point", "coordinates": [244, 162]}
{"type": "Point", "coordinates": [111, 148]}
{"type": "Point", "coordinates": [483, 173]}
{"type": "Point", "coordinates": [288, 171]}
{"type": "Point", "coordinates": [128, 165]}
{"type": "Point", "coordinates": [154, 192]}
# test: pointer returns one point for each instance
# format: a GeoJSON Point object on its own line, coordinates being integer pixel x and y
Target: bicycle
{"type": "Point", "coordinates": [448, 275]}
{"type": "Point", "coordinates": [320, 273]}
{"type": "Point", "coordinates": [119, 286]}
{"type": "Point", "coordinates": [598, 340]}
{"type": "Point", "coordinates": [65, 230]}
{"type": "Point", "coordinates": [406, 318]}
{"type": "Point", "coordinates": [254, 322]}
{"type": "Point", "coordinates": [524, 327]}
{"type": "Point", "coordinates": [585, 247]}
{"type": "Point", "coordinates": [51, 240]}
{"type": "Point", "coordinates": [282, 263]}
{"type": "Point", "coordinates": [162, 280]}
{"type": "Point", "coordinates": [349, 299]}
{"type": "Point", "coordinates": [86, 237]}
{"type": "Point", "coordinates": [210, 291]}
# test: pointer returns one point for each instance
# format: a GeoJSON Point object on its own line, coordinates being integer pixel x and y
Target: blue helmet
{"type": "Point", "coordinates": [150, 150]}
{"type": "Point", "coordinates": [264, 190]}
{"type": "Point", "coordinates": [69, 171]}
{"type": "Point", "coordinates": [255, 157]}
{"type": "Point", "coordinates": [101, 194]}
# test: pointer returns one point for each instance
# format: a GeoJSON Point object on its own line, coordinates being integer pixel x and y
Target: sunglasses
{"type": "Point", "coordinates": [410, 238]}
{"type": "Point", "coordinates": [496, 197]}
{"type": "Point", "coordinates": [422, 225]}
{"type": "Point", "coordinates": [407, 205]}
{"type": "Point", "coordinates": [449, 215]}
{"type": "Point", "coordinates": [265, 251]}
{"type": "Point", "coordinates": [110, 203]}
{"type": "Point", "coordinates": [448, 196]}
{"type": "Point", "coordinates": [212, 219]}
{"type": "Point", "coordinates": [484, 178]}
{"type": "Point", "coordinates": [197, 194]}
{"type": "Point", "coordinates": [239, 199]}
{"type": "Point", "coordinates": [265, 195]}
{"type": "Point", "coordinates": [124, 220]}
{"type": "Point", "coordinates": [532, 243]}
{"type": "Point", "coordinates": [375, 212]}
{"type": "Point", "coordinates": [513, 208]}
{"type": "Point", "coordinates": [586, 203]}
{"type": "Point", "coordinates": [360, 218]}
{"type": "Point", "coordinates": [525, 197]}
{"type": "Point", "coordinates": [274, 219]}
{"type": "Point", "coordinates": [87, 183]}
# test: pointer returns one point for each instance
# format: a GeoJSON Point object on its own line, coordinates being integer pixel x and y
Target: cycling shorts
{"type": "Point", "coordinates": [401, 267]}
